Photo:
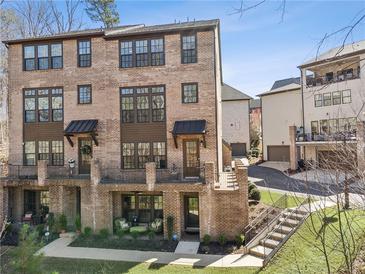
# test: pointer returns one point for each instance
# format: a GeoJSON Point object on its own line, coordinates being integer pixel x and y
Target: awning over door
{"type": "Point", "coordinates": [81, 127]}
{"type": "Point", "coordinates": [189, 127]}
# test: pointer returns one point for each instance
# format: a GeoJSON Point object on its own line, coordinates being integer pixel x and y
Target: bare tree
{"type": "Point", "coordinates": [70, 20]}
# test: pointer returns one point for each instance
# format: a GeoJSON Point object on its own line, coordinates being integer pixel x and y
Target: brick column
{"type": "Point", "coordinates": [293, 147]}
{"type": "Point", "coordinates": [42, 167]}
{"type": "Point", "coordinates": [360, 136]}
{"type": "Point", "coordinates": [3, 204]}
{"type": "Point", "coordinates": [95, 172]}
{"type": "Point", "coordinates": [172, 207]}
{"type": "Point", "coordinates": [18, 203]}
{"type": "Point", "coordinates": [151, 175]}
{"type": "Point", "coordinates": [209, 173]}
{"type": "Point", "coordinates": [242, 180]}
{"type": "Point", "coordinates": [56, 200]}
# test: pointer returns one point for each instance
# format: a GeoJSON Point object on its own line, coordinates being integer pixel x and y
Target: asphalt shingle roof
{"type": "Point", "coordinates": [231, 94]}
{"type": "Point", "coordinates": [284, 82]}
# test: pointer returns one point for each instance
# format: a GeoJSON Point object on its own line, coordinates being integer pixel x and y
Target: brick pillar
{"type": "Point", "coordinates": [18, 203]}
{"type": "Point", "coordinates": [151, 175]}
{"type": "Point", "coordinates": [209, 173]}
{"type": "Point", "coordinates": [242, 180]}
{"type": "Point", "coordinates": [360, 136]}
{"type": "Point", "coordinates": [56, 200]}
{"type": "Point", "coordinates": [117, 204]}
{"type": "Point", "coordinates": [293, 147]}
{"type": "Point", "coordinates": [95, 172]}
{"type": "Point", "coordinates": [4, 169]}
{"type": "Point", "coordinates": [3, 204]}
{"type": "Point", "coordinates": [172, 207]}
{"type": "Point", "coordinates": [42, 171]}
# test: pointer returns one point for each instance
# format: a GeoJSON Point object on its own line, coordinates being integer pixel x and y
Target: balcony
{"type": "Point", "coordinates": [332, 77]}
{"type": "Point", "coordinates": [18, 172]}
{"type": "Point", "coordinates": [335, 137]}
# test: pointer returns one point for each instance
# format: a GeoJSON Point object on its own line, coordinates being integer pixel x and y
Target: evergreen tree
{"type": "Point", "coordinates": [104, 11]}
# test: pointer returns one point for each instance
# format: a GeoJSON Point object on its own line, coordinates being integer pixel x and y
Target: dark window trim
{"type": "Point", "coordinates": [78, 54]}
{"type": "Point", "coordinates": [197, 92]}
{"type": "Point", "coordinates": [190, 33]}
{"type": "Point", "coordinates": [50, 109]}
{"type": "Point", "coordinates": [35, 45]}
{"type": "Point", "coordinates": [134, 62]}
{"type": "Point", "coordinates": [36, 152]}
{"type": "Point", "coordinates": [78, 94]}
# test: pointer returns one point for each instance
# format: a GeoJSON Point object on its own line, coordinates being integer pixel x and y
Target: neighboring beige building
{"type": "Point", "coordinates": [139, 111]}
{"type": "Point", "coordinates": [236, 120]}
{"type": "Point", "coordinates": [281, 108]}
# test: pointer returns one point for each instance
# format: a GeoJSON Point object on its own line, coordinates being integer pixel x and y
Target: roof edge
{"type": "Point", "coordinates": [276, 92]}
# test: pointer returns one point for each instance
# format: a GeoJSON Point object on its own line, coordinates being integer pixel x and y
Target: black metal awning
{"type": "Point", "coordinates": [189, 127]}
{"type": "Point", "coordinates": [81, 127]}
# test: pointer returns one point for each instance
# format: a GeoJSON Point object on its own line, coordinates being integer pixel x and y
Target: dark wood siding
{"type": "Point", "coordinates": [143, 132]}
{"type": "Point", "coordinates": [43, 131]}
{"type": "Point", "coordinates": [278, 153]}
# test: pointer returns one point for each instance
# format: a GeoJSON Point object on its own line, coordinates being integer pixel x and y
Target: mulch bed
{"type": "Point", "coordinates": [128, 244]}
{"type": "Point", "coordinates": [216, 249]}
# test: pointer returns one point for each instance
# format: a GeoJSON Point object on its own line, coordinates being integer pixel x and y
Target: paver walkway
{"type": "Point", "coordinates": [187, 247]}
{"type": "Point", "coordinates": [59, 248]}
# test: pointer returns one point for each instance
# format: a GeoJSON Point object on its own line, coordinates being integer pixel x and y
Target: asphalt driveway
{"type": "Point", "coordinates": [273, 178]}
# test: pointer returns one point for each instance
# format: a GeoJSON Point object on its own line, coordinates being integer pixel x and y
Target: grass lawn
{"type": "Point", "coordinates": [300, 255]}
{"type": "Point", "coordinates": [269, 197]}
{"type": "Point", "coordinates": [71, 266]}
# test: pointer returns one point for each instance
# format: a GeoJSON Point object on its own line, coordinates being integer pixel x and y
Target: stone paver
{"type": "Point", "coordinates": [187, 247]}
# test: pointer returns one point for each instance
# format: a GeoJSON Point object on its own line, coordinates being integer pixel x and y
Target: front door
{"type": "Point", "coordinates": [191, 214]}
{"type": "Point", "coordinates": [191, 158]}
{"type": "Point", "coordinates": [85, 155]}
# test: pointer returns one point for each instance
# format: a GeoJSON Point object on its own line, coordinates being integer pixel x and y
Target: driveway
{"type": "Point", "coordinates": [273, 178]}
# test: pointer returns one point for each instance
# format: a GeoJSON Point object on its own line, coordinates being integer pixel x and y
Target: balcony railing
{"type": "Point", "coordinates": [326, 80]}
{"type": "Point", "coordinates": [175, 174]}
{"type": "Point", "coordinates": [117, 175]}
{"type": "Point", "coordinates": [18, 172]}
{"type": "Point", "coordinates": [340, 136]}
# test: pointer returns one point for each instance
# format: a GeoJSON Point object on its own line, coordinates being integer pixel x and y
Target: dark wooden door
{"type": "Point", "coordinates": [191, 212]}
{"type": "Point", "coordinates": [85, 158]}
{"type": "Point", "coordinates": [30, 202]}
{"type": "Point", "coordinates": [191, 158]}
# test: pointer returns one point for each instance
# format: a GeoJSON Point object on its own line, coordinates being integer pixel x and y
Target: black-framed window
{"type": "Point", "coordinates": [188, 49]}
{"type": "Point", "coordinates": [57, 104]}
{"type": "Point", "coordinates": [43, 150]}
{"type": "Point", "coordinates": [51, 151]}
{"type": "Point", "coordinates": [128, 156]}
{"type": "Point", "coordinates": [159, 154]}
{"type": "Point", "coordinates": [318, 100]}
{"type": "Point", "coordinates": [327, 99]}
{"type": "Point", "coordinates": [324, 126]}
{"type": "Point", "coordinates": [346, 96]}
{"type": "Point", "coordinates": [84, 94]}
{"type": "Point", "coordinates": [29, 153]}
{"type": "Point", "coordinates": [42, 56]}
{"type": "Point", "coordinates": [142, 52]}
{"type": "Point", "coordinates": [43, 105]}
{"type": "Point", "coordinates": [336, 97]}
{"type": "Point", "coordinates": [314, 127]}
{"type": "Point", "coordinates": [57, 153]}
{"type": "Point", "coordinates": [143, 104]}
{"type": "Point", "coordinates": [84, 53]}
{"type": "Point", "coordinates": [190, 93]}
{"type": "Point", "coordinates": [143, 152]}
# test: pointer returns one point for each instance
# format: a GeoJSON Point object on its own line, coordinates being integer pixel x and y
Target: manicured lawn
{"type": "Point", "coordinates": [71, 266]}
{"type": "Point", "coordinates": [269, 197]}
{"type": "Point", "coordinates": [301, 255]}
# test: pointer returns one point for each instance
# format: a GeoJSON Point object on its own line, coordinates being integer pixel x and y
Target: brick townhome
{"type": "Point", "coordinates": [138, 109]}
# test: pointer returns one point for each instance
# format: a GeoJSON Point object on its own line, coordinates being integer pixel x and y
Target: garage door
{"type": "Point", "coordinates": [278, 153]}
{"type": "Point", "coordinates": [238, 149]}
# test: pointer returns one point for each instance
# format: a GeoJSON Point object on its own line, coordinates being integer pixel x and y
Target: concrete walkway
{"type": "Point", "coordinates": [187, 247]}
{"type": "Point", "coordinates": [281, 166]}
{"type": "Point", "coordinates": [59, 248]}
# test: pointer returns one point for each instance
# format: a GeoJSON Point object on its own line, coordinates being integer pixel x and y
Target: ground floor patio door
{"type": "Point", "coordinates": [191, 214]}
{"type": "Point", "coordinates": [85, 155]}
{"type": "Point", "coordinates": [191, 158]}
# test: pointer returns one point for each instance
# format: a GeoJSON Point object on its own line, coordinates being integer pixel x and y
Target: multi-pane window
{"type": "Point", "coordinates": [324, 127]}
{"type": "Point", "coordinates": [46, 103]}
{"type": "Point", "coordinates": [141, 53]}
{"type": "Point", "coordinates": [314, 127]}
{"type": "Point", "coordinates": [159, 154]}
{"type": "Point", "coordinates": [42, 57]}
{"type": "Point", "coordinates": [318, 100]}
{"type": "Point", "coordinates": [336, 97]}
{"type": "Point", "coordinates": [158, 202]}
{"type": "Point", "coordinates": [84, 53]}
{"type": "Point", "coordinates": [84, 94]}
{"type": "Point", "coordinates": [333, 126]}
{"type": "Point", "coordinates": [126, 54]}
{"type": "Point", "coordinates": [143, 104]}
{"type": "Point", "coordinates": [346, 96]}
{"type": "Point", "coordinates": [190, 93]}
{"type": "Point", "coordinates": [57, 153]}
{"type": "Point", "coordinates": [143, 151]}
{"type": "Point", "coordinates": [29, 153]}
{"type": "Point", "coordinates": [188, 47]}
{"type": "Point", "coordinates": [44, 198]}
{"type": "Point", "coordinates": [43, 150]}
{"type": "Point", "coordinates": [128, 155]}
{"type": "Point", "coordinates": [327, 99]}
{"type": "Point", "coordinates": [157, 52]}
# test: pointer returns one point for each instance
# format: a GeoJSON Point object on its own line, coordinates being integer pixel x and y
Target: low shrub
{"type": "Point", "coordinates": [62, 222]}
{"type": "Point", "coordinates": [104, 233]}
{"type": "Point", "coordinates": [206, 239]}
{"type": "Point", "coordinates": [255, 195]}
{"type": "Point", "coordinates": [151, 235]}
{"type": "Point", "coordinates": [120, 233]}
{"type": "Point", "coordinates": [170, 227]}
{"type": "Point", "coordinates": [87, 231]}
{"type": "Point", "coordinates": [239, 239]}
{"type": "Point", "coordinates": [78, 223]}
{"type": "Point", "coordinates": [40, 230]}
{"type": "Point", "coordinates": [135, 235]}
{"type": "Point", "coordinates": [222, 240]}
{"type": "Point", "coordinates": [251, 186]}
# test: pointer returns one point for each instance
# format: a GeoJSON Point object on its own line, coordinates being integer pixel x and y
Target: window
{"type": "Point", "coordinates": [324, 127]}
{"type": "Point", "coordinates": [143, 109]}
{"type": "Point", "coordinates": [29, 110]}
{"type": "Point", "coordinates": [158, 108]}
{"type": "Point", "coordinates": [333, 126]}
{"type": "Point", "coordinates": [318, 100]}
{"type": "Point", "coordinates": [84, 53]}
{"type": "Point", "coordinates": [126, 52]}
{"type": "Point", "coordinates": [128, 155]}
{"type": "Point", "coordinates": [158, 202]}
{"type": "Point", "coordinates": [143, 154]}
{"type": "Point", "coordinates": [127, 110]}
{"type": "Point", "coordinates": [29, 153]}
{"type": "Point", "coordinates": [329, 76]}
{"type": "Point", "coordinates": [157, 52]}
{"type": "Point", "coordinates": [43, 150]}
{"type": "Point", "coordinates": [43, 108]}
{"type": "Point", "coordinates": [57, 105]}
{"type": "Point", "coordinates": [57, 153]}
{"type": "Point", "coordinates": [29, 58]}
{"type": "Point", "coordinates": [44, 197]}
{"type": "Point", "coordinates": [144, 202]}
{"type": "Point", "coordinates": [327, 99]}
{"type": "Point", "coordinates": [42, 57]}
{"type": "Point", "coordinates": [190, 93]}
{"type": "Point", "coordinates": [142, 53]}
{"type": "Point", "coordinates": [336, 98]}
{"type": "Point", "coordinates": [314, 127]}
{"type": "Point", "coordinates": [346, 96]}
{"type": "Point", "coordinates": [159, 154]}
{"type": "Point", "coordinates": [188, 49]}
{"type": "Point", "coordinates": [84, 94]}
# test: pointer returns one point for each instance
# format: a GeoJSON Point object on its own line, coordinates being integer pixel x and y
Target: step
{"type": "Point", "coordinates": [294, 215]}
{"type": "Point", "coordinates": [299, 211]}
{"type": "Point", "coordinates": [276, 236]}
{"type": "Point", "coordinates": [283, 229]}
{"type": "Point", "coordinates": [269, 243]}
{"type": "Point", "coordinates": [289, 222]}
{"type": "Point", "coordinates": [260, 251]}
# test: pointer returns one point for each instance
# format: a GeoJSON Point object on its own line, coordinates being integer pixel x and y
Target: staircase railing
{"type": "Point", "coordinates": [263, 221]}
